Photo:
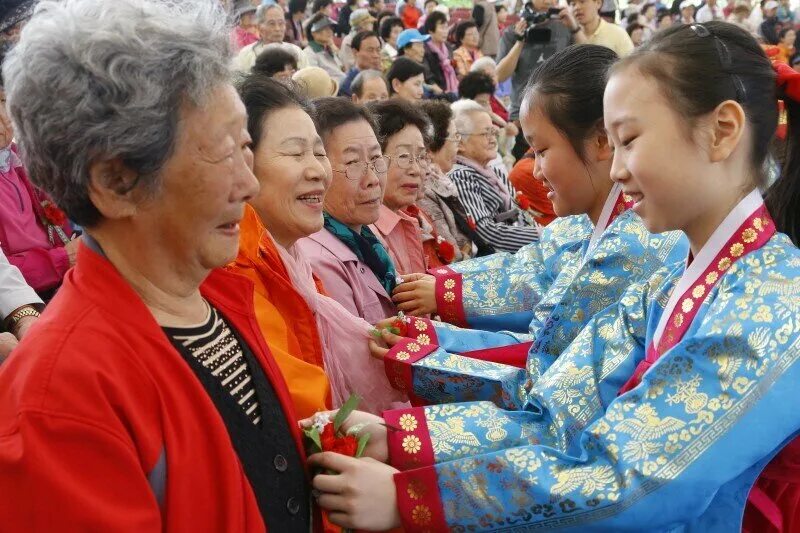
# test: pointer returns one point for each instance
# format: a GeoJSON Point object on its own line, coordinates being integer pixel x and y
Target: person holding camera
{"type": "Point", "coordinates": [588, 27]}
{"type": "Point", "coordinates": [539, 34]}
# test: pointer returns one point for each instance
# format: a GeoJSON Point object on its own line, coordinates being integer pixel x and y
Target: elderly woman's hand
{"type": "Point", "coordinates": [416, 296]}
{"type": "Point", "coordinates": [7, 343]}
{"type": "Point", "coordinates": [361, 496]}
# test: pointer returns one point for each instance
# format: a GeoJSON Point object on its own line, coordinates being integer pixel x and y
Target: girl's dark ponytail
{"type": "Point", "coordinates": [783, 197]}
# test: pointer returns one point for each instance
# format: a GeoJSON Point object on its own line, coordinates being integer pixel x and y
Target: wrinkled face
{"type": "Point", "coordinates": [557, 166]}
{"type": "Point", "coordinates": [411, 89]}
{"type": "Point", "coordinates": [323, 36]}
{"type": "Point", "coordinates": [6, 129]}
{"type": "Point", "coordinates": [440, 34]}
{"type": "Point", "coordinates": [666, 184]}
{"type": "Point", "coordinates": [294, 173]}
{"type": "Point", "coordinates": [205, 183]}
{"type": "Point", "coordinates": [369, 55]}
{"type": "Point", "coordinates": [273, 27]}
{"type": "Point", "coordinates": [354, 202]}
{"type": "Point", "coordinates": [372, 90]}
{"type": "Point", "coordinates": [479, 144]}
{"type": "Point", "coordinates": [471, 38]}
{"type": "Point", "coordinates": [415, 51]}
{"type": "Point", "coordinates": [502, 15]}
{"type": "Point", "coordinates": [445, 158]}
{"type": "Point", "coordinates": [396, 30]}
{"type": "Point", "coordinates": [637, 36]}
{"type": "Point", "coordinates": [586, 11]}
{"type": "Point", "coordinates": [365, 25]}
{"type": "Point", "coordinates": [405, 148]}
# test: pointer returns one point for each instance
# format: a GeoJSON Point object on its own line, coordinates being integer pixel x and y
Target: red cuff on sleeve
{"type": "Point", "coordinates": [449, 297]}
{"type": "Point", "coordinates": [423, 331]}
{"type": "Point", "coordinates": [408, 438]}
{"type": "Point", "coordinates": [398, 364]}
{"type": "Point", "coordinates": [419, 500]}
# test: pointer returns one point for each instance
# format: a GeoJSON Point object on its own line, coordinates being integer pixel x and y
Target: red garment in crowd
{"type": "Point", "coordinates": [410, 15]}
{"type": "Point", "coordinates": [498, 108]}
{"type": "Point", "coordinates": [521, 176]}
{"type": "Point", "coordinates": [96, 402]}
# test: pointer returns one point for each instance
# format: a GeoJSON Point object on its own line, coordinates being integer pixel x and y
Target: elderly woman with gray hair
{"type": "Point", "coordinates": [146, 398]}
{"type": "Point", "coordinates": [485, 192]}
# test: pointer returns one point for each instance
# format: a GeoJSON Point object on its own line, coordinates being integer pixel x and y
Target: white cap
{"type": "Point", "coordinates": [772, 4]}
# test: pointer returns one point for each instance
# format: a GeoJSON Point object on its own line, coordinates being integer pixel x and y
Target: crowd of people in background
{"type": "Point", "coordinates": [214, 213]}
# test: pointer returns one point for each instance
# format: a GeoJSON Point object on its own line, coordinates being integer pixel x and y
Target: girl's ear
{"type": "Point", "coordinates": [727, 128]}
{"type": "Point", "coordinates": [605, 152]}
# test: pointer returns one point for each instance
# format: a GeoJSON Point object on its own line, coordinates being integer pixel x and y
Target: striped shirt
{"type": "Point", "coordinates": [485, 205]}
{"type": "Point", "coordinates": [214, 345]}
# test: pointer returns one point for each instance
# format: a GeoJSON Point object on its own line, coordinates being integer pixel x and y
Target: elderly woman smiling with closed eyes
{"type": "Point", "coordinates": [145, 398]}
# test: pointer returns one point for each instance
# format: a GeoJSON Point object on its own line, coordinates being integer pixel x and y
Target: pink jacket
{"type": "Point", "coordinates": [23, 236]}
{"type": "Point", "coordinates": [401, 235]}
{"type": "Point", "coordinates": [346, 279]}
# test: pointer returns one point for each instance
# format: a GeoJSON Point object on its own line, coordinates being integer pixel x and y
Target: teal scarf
{"type": "Point", "coordinates": [368, 249]}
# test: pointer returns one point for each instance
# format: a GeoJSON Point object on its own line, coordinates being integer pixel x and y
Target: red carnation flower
{"type": "Point", "coordinates": [347, 445]}
{"type": "Point", "coordinates": [328, 437]}
{"type": "Point", "coordinates": [53, 214]}
{"type": "Point", "coordinates": [471, 223]}
{"type": "Point", "coordinates": [447, 252]}
{"type": "Point", "coordinates": [400, 325]}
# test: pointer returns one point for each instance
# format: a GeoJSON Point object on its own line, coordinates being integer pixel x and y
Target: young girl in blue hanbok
{"type": "Point", "coordinates": [664, 411]}
{"type": "Point", "coordinates": [552, 288]}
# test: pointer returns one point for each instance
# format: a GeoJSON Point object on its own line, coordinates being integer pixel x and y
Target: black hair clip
{"type": "Point", "coordinates": [725, 59]}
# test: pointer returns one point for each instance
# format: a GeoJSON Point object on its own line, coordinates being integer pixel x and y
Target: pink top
{"type": "Point", "coordinates": [242, 37]}
{"type": "Point", "coordinates": [346, 279]}
{"type": "Point", "coordinates": [23, 237]}
{"type": "Point", "coordinates": [401, 235]}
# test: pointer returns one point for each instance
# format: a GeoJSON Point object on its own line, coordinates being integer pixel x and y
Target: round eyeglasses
{"type": "Point", "coordinates": [356, 171]}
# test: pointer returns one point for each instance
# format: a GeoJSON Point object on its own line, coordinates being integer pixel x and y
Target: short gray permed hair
{"type": "Point", "coordinates": [463, 111]}
{"type": "Point", "coordinates": [94, 80]}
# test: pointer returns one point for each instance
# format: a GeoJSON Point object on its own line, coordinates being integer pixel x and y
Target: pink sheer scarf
{"type": "Point", "coordinates": [345, 352]}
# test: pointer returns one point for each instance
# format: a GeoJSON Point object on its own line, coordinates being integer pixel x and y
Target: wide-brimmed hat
{"type": "Point", "coordinates": [360, 15]}
{"type": "Point", "coordinates": [242, 7]}
{"type": "Point", "coordinates": [315, 82]}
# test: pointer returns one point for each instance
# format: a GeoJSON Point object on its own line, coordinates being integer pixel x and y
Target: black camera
{"type": "Point", "coordinates": [537, 31]}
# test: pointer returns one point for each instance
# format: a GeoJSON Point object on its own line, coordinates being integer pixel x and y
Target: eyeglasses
{"type": "Point", "coordinates": [404, 161]}
{"type": "Point", "coordinates": [455, 138]}
{"type": "Point", "coordinates": [356, 171]}
{"type": "Point", "coordinates": [725, 59]}
{"type": "Point", "coordinates": [488, 134]}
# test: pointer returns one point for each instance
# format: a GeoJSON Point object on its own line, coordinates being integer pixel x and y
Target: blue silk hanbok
{"type": "Point", "coordinates": [555, 287]}
{"type": "Point", "coordinates": [659, 416]}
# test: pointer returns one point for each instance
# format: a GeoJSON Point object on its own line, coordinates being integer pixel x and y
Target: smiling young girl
{"type": "Point", "coordinates": [551, 289]}
{"type": "Point", "coordinates": [663, 412]}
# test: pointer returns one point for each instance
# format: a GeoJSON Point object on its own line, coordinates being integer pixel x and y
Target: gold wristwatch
{"type": "Point", "coordinates": [13, 319]}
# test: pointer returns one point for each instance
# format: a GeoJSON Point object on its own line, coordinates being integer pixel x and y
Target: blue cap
{"type": "Point", "coordinates": [407, 37]}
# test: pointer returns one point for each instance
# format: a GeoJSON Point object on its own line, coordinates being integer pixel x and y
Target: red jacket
{"type": "Point", "coordinates": [101, 419]}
